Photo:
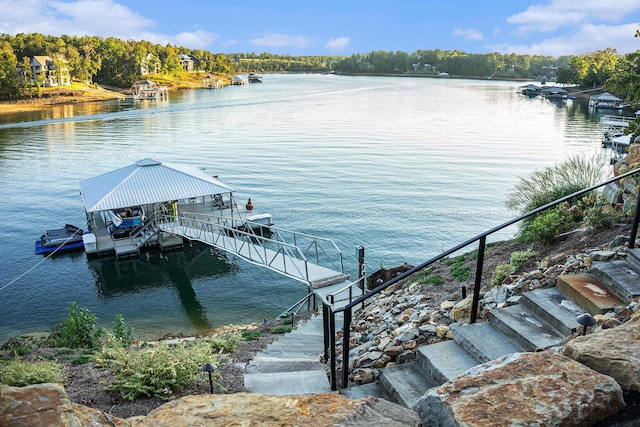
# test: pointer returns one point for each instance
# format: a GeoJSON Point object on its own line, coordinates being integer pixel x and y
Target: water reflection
{"type": "Point", "coordinates": [154, 269]}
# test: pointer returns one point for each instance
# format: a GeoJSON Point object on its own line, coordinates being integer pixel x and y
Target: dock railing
{"type": "Point", "coordinates": [329, 312]}
{"type": "Point", "coordinates": [286, 252]}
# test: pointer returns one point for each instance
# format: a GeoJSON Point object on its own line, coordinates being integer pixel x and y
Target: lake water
{"type": "Point", "coordinates": [406, 167]}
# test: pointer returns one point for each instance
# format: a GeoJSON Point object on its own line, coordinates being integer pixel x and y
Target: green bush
{"type": "Point", "coordinates": [547, 225]}
{"type": "Point", "coordinates": [155, 370]}
{"type": "Point", "coordinates": [599, 214]}
{"type": "Point", "coordinates": [226, 343]}
{"type": "Point", "coordinates": [122, 333]}
{"type": "Point", "coordinates": [79, 330]}
{"type": "Point", "coordinates": [249, 335]}
{"type": "Point", "coordinates": [501, 272]}
{"type": "Point", "coordinates": [20, 373]}
{"type": "Point", "coordinates": [517, 259]}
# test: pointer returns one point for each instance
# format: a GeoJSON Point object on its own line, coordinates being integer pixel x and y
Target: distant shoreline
{"type": "Point", "coordinates": [55, 98]}
{"type": "Point", "coordinates": [89, 94]}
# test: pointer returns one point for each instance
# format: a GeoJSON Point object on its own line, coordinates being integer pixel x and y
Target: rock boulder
{"type": "Point", "coordinates": [49, 405]}
{"type": "Point", "coordinates": [613, 352]}
{"type": "Point", "coordinates": [532, 389]}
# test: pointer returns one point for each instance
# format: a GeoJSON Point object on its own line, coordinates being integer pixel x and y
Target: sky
{"type": "Point", "coordinates": [346, 27]}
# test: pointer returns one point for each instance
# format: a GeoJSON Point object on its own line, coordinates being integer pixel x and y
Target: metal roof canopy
{"type": "Point", "coordinates": [145, 182]}
{"type": "Point", "coordinates": [606, 96]}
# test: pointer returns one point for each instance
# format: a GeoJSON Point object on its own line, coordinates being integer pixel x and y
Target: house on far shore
{"type": "Point", "coordinates": [149, 65]}
{"type": "Point", "coordinates": [186, 61]}
{"type": "Point", "coordinates": [43, 70]}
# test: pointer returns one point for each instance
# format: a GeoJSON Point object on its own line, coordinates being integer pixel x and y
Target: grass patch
{"type": "Point", "coordinates": [281, 330]}
{"type": "Point", "coordinates": [436, 279]}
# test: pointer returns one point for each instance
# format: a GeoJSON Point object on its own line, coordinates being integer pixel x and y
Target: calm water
{"type": "Point", "coordinates": [406, 167]}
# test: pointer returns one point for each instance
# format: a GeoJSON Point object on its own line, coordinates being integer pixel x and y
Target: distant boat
{"type": "Point", "coordinates": [62, 239]}
{"type": "Point", "coordinates": [530, 90]}
{"type": "Point", "coordinates": [254, 78]}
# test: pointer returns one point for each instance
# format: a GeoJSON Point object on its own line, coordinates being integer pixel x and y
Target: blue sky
{"type": "Point", "coordinates": [546, 27]}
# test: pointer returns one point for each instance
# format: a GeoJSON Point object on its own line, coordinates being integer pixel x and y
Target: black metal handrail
{"type": "Point", "coordinates": [329, 313]}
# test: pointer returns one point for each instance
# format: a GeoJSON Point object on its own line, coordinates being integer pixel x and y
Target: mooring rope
{"type": "Point", "coordinates": [40, 262]}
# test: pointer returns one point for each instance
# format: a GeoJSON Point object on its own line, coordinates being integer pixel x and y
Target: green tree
{"type": "Point", "coordinates": [9, 82]}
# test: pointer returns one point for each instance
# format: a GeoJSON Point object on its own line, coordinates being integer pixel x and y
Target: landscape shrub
{"type": "Point", "coordinates": [599, 214]}
{"type": "Point", "coordinates": [79, 330]}
{"type": "Point", "coordinates": [123, 334]}
{"type": "Point", "coordinates": [544, 186]}
{"type": "Point", "coordinates": [547, 225]}
{"type": "Point", "coordinates": [225, 343]}
{"type": "Point", "coordinates": [516, 261]}
{"type": "Point", "coordinates": [550, 184]}
{"type": "Point", "coordinates": [248, 335]}
{"type": "Point", "coordinates": [156, 371]}
{"type": "Point", "coordinates": [20, 373]}
{"type": "Point", "coordinates": [518, 258]}
{"type": "Point", "coordinates": [501, 272]}
{"type": "Point", "coordinates": [281, 330]}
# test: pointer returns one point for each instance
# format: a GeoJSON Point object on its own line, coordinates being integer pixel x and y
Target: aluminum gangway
{"type": "Point", "coordinates": [310, 259]}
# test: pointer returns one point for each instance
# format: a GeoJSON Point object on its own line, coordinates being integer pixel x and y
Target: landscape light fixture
{"type": "Point", "coordinates": [585, 320]}
{"type": "Point", "coordinates": [209, 367]}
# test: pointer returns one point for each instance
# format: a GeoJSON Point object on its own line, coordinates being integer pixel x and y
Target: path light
{"type": "Point", "coordinates": [585, 320]}
{"type": "Point", "coordinates": [209, 367]}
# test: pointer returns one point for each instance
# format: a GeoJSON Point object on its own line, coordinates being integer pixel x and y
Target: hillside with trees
{"type": "Point", "coordinates": [118, 63]}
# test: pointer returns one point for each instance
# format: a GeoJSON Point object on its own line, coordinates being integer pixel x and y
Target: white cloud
{"type": "Point", "coordinates": [196, 40]}
{"type": "Point", "coordinates": [588, 38]}
{"type": "Point", "coordinates": [281, 40]}
{"type": "Point", "coordinates": [468, 34]}
{"type": "Point", "coordinates": [562, 13]}
{"type": "Point", "coordinates": [337, 45]}
{"type": "Point", "coordinates": [104, 18]}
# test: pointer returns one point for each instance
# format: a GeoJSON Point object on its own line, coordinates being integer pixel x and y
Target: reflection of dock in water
{"type": "Point", "coordinates": [117, 277]}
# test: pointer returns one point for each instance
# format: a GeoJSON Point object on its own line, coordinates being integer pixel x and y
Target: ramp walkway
{"type": "Point", "coordinates": [309, 259]}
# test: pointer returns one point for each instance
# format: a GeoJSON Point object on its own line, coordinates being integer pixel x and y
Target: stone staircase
{"type": "Point", "coordinates": [542, 319]}
{"type": "Point", "coordinates": [291, 365]}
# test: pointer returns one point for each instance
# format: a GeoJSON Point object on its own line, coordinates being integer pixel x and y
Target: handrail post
{"type": "Point", "coordinates": [325, 330]}
{"type": "Point", "coordinates": [478, 281]}
{"type": "Point", "coordinates": [346, 334]}
{"type": "Point", "coordinates": [636, 222]}
{"type": "Point", "coordinates": [332, 350]}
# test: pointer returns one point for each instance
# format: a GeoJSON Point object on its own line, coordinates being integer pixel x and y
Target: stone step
{"type": "Point", "coordinates": [483, 342]}
{"type": "Point", "coordinates": [405, 383]}
{"type": "Point", "coordinates": [293, 348]}
{"type": "Point", "coordinates": [524, 328]}
{"type": "Point", "coordinates": [288, 383]}
{"type": "Point", "coordinates": [356, 392]}
{"type": "Point", "coordinates": [255, 367]}
{"type": "Point", "coordinates": [554, 308]}
{"type": "Point", "coordinates": [620, 277]}
{"type": "Point", "coordinates": [444, 361]}
{"type": "Point", "coordinates": [587, 292]}
{"type": "Point", "coordinates": [287, 355]}
{"type": "Point", "coordinates": [306, 339]}
{"type": "Point", "coordinates": [633, 258]}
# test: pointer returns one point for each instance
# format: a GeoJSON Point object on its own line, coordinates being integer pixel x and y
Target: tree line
{"type": "Point", "coordinates": [114, 62]}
